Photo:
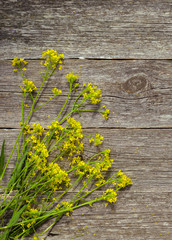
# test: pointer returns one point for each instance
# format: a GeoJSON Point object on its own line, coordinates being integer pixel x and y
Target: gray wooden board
{"type": "Point", "coordinates": [138, 92]}
{"type": "Point", "coordinates": [128, 219]}
{"type": "Point", "coordinates": [87, 29]}
{"type": "Point", "coordinates": [145, 155]}
{"type": "Point", "coordinates": [144, 210]}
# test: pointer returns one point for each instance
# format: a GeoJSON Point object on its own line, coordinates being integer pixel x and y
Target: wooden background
{"type": "Point", "coordinates": [124, 47]}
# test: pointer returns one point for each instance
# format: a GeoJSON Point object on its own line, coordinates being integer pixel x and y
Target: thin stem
{"type": "Point", "coordinates": [89, 180]}
{"type": "Point", "coordinates": [44, 104]}
{"type": "Point", "coordinates": [21, 71]}
{"type": "Point", "coordinates": [31, 111]}
{"type": "Point", "coordinates": [18, 138]}
{"type": "Point", "coordinates": [22, 108]}
{"type": "Point", "coordinates": [50, 137]}
{"type": "Point", "coordinates": [61, 195]}
{"type": "Point", "coordinates": [70, 90]}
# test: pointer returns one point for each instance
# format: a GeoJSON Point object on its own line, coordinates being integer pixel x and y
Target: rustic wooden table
{"type": "Point", "coordinates": [124, 47]}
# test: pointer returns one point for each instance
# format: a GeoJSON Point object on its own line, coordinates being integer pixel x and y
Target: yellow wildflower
{"type": "Point", "coordinates": [60, 68]}
{"type": "Point", "coordinates": [38, 129]}
{"type": "Point", "coordinates": [97, 140]}
{"type": "Point", "coordinates": [123, 180]}
{"type": "Point", "coordinates": [19, 63]}
{"type": "Point", "coordinates": [71, 78]}
{"type": "Point", "coordinates": [110, 195]}
{"type": "Point", "coordinates": [52, 58]}
{"type": "Point", "coordinates": [28, 86]}
{"type": "Point", "coordinates": [56, 91]}
{"type": "Point", "coordinates": [106, 114]}
{"type": "Point", "coordinates": [92, 94]}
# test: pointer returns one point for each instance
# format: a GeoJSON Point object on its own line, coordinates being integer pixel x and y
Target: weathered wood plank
{"type": "Point", "coordinates": [145, 155]}
{"type": "Point", "coordinates": [138, 92]}
{"type": "Point", "coordinates": [134, 216]}
{"type": "Point", "coordinates": [142, 211]}
{"type": "Point", "coordinates": [87, 29]}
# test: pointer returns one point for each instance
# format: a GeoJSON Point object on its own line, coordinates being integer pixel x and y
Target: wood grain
{"type": "Point", "coordinates": [144, 154]}
{"type": "Point", "coordinates": [125, 48]}
{"type": "Point", "coordinates": [128, 219]}
{"type": "Point", "coordinates": [111, 29]}
{"type": "Point", "coordinates": [138, 92]}
{"type": "Point", "coordinates": [144, 210]}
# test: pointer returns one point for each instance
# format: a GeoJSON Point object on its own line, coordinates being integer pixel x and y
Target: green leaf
{"type": "Point", "coordinates": [13, 221]}
{"type": "Point", "coordinates": [2, 157]}
{"type": "Point", "coordinates": [16, 216]}
{"type": "Point", "coordinates": [16, 172]}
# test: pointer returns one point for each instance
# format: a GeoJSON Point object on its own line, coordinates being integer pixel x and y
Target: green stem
{"type": "Point", "coordinates": [44, 104]}
{"type": "Point", "coordinates": [61, 195]}
{"type": "Point", "coordinates": [22, 108]}
{"type": "Point", "coordinates": [79, 96]}
{"type": "Point", "coordinates": [50, 137]}
{"type": "Point", "coordinates": [31, 111]}
{"type": "Point", "coordinates": [89, 180]}
{"type": "Point", "coordinates": [70, 90]}
{"type": "Point", "coordinates": [21, 71]}
{"type": "Point", "coordinates": [18, 138]}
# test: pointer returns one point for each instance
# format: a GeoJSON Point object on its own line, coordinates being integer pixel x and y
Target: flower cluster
{"type": "Point", "coordinates": [53, 174]}
{"type": "Point", "coordinates": [28, 86]}
{"type": "Point", "coordinates": [52, 59]}
{"type": "Point", "coordinates": [56, 128]}
{"type": "Point", "coordinates": [30, 213]}
{"type": "Point", "coordinates": [73, 142]}
{"type": "Point", "coordinates": [26, 129]}
{"type": "Point", "coordinates": [105, 113]}
{"type": "Point", "coordinates": [98, 140]}
{"type": "Point", "coordinates": [67, 207]}
{"type": "Point", "coordinates": [107, 162]}
{"type": "Point", "coordinates": [110, 196]}
{"type": "Point", "coordinates": [37, 129]}
{"type": "Point", "coordinates": [71, 78]}
{"type": "Point", "coordinates": [92, 93]}
{"type": "Point", "coordinates": [93, 169]}
{"type": "Point", "coordinates": [56, 176]}
{"type": "Point", "coordinates": [123, 180]}
{"type": "Point", "coordinates": [19, 63]}
{"type": "Point", "coordinates": [38, 155]}
{"type": "Point", "coordinates": [56, 91]}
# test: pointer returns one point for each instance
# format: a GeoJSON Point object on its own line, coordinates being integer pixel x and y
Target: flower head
{"type": "Point", "coordinates": [105, 112]}
{"type": "Point", "coordinates": [110, 196]}
{"type": "Point", "coordinates": [71, 78]}
{"type": "Point", "coordinates": [97, 140]}
{"type": "Point", "coordinates": [56, 91]}
{"type": "Point", "coordinates": [52, 58]}
{"type": "Point", "coordinates": [28, 86]}
{"type": "Point", "coordinates": [19, 63]}
{"type": "Point", "coordinates": [38, 129]}
{"type": "Point", "coordinates": [92, 93]}
{"type": "Point", "coordinates": [123, 180]}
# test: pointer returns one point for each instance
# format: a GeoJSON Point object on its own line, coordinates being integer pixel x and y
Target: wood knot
{"type": "Point", "coordinates": [135, 84]}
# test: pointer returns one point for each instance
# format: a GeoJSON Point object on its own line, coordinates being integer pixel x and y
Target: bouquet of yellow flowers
{"type": "Point", "coordinates": [38, 182]}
